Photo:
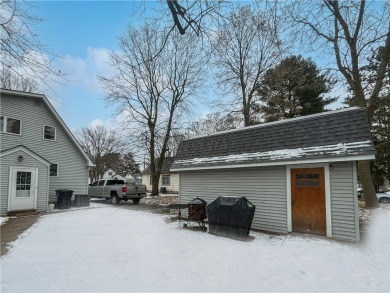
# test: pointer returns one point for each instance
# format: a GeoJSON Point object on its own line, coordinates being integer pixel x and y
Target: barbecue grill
{"type": "Point", "coordinates": [197, 209]}
{"type": "Point", "coordinates": [197, 212]}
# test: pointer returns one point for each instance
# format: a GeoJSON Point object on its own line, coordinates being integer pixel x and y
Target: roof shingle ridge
{"type": "Point", "coordinates": [277, 122]}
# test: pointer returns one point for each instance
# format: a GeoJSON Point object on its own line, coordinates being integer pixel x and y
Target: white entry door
{"type": "Point", "coordinates": [22, 189]}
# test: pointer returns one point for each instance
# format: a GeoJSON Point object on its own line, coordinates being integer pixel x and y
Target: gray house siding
{"type": "Point", "coordinates": [343, 202]}
{"type": "Point", "coordinates": [30, 162]}
{"type": "Point", "coordinates": [333, 140]}
{"type": "Point", "coordinates": [34, 115]}
{"type": "Point", "coordinates": [264, 187]}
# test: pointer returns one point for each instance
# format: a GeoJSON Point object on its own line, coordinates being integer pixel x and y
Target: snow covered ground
{"type": "Point", "coordinates": [107, 249]}
{"type": "Point", "coordinates": [3, 220]}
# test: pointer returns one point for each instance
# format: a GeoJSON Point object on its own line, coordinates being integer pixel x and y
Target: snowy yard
{"type": "Point", "coordinates": [105, 249]}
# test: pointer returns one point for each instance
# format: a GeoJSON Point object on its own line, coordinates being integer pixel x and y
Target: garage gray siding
{"type": "Point", "coordinates": [263, 187]}
{"type": "Point", "coordinates": [343, 202]}
{"type": "Point", "coordinates": [34, 114]}
{"type": "Point", "coordinates": [29, 162]}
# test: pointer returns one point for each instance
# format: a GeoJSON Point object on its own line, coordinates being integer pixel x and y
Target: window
{"type": "Point", "coordinates": [23, 184]}
{"type": "Point", "coordinates": [110, 182]}
{"type": "Point", "coordinates": [166, 179]}
{"type": "Point", "coordinates": [95, 183]}
{"type": "Point", "coordinates": [10, 125]}
{"type": "Point", "coordinates": [307, 180]}
{"type": "Point", "coordinates": [49, 133]}
{"type": "Point", "coordinates": [101, 183]}
{"type": "Point", "coordinates": [54, 170]}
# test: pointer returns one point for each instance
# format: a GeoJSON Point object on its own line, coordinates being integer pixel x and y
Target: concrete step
{"type": "Point", "coordinates": [24, 213]}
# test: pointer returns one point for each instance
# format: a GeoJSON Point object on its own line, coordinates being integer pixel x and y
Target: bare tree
{"type": "Point", "coordinates": [212, 123]}
{"type": "Point", "coordinates": [246, 47]}
{"type": "Point", "coordinates": [194, 15]}
{"type": "Point", "coordinates": [103, 146]}
{"type": "Point", "coordinates": [349, 30]}
{"type": "Point", "coordinates": [155, 89]}
{"type": "Point", "coordinates": [10, 80]}
{"type": "Point", "coordinates": [20, 49]}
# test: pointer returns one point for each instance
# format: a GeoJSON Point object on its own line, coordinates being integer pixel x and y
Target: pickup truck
{"type": "Point", "coordinates": [116, 190]}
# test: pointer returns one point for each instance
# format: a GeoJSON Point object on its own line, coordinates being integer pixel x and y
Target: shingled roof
{"type": "Point", "coordinates": [341, 135]}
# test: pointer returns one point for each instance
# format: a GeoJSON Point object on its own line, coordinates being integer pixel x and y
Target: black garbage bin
{"type": "Point", "coordinates": [230, 216]}
{"type": "Point", "coordinates": [64, 198]}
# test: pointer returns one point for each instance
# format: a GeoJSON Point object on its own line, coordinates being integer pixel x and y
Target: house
{"type": "Point", "coordinates": [134, 177]}
{"type": "Point", "coordinates": [300, 173]}
{"type": "Point", "coordinates": [168, 178]}
{"type": "Point", "coordinates": [38, 154]}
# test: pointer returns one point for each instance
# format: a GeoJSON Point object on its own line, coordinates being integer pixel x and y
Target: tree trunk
{"type": "Point", "coordinates": [370, 199]}
{"type": "Point", "coordinates": [155, 182]}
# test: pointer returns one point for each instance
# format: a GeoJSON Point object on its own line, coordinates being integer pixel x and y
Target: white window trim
{"type": "Point", "coordinates": [162, 180]}
{"type": "Point", "coordinates": [327, 195]}
{"type": "Point", "coordinates": [55, 133]}
{"type": "Point", "coordinates": [5, 126]}
{"type": "Point", "coordinates": [58, 170]}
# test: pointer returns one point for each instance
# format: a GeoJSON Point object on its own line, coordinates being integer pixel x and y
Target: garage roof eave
{"type": "Point", "coordinates": [276, 163]}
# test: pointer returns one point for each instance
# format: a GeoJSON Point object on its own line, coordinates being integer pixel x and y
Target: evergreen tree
{"type": "Point", "coordinates": [380, 128]}
{"type": "Point", "coordinates": [295, 87]}
{"type": "Point", "coordinates": [127, 165]}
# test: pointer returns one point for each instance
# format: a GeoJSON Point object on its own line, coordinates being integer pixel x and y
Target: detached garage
{"type": "Point", "coordinates": [300, 173]}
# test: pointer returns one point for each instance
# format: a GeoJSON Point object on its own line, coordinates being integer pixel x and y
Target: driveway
{"type": "Point", "coordinates": [109, 249]}
{"type": "Point", "coordinates": [15, 226]}
{"type": "Point", "coordinates": [129, 205]}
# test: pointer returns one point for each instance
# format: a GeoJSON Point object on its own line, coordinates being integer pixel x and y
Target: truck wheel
{"type": "Point", "coordinates": [136, 200]}
{"type": "Point", "coordinates": [115, 199]}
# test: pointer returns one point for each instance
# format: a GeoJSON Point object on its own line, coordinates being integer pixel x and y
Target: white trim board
{"type": "Point", "coordinates": [355, 199]}
{"type": "Point", "coordinates": [26, 151]}
{"type": "Point", "coordinates": [280, 163]}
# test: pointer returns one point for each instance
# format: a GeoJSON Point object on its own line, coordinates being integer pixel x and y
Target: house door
{"type": "Point", "coordinates": [308, 200]}
{"type": "Point", "coordinates": [22, 189]}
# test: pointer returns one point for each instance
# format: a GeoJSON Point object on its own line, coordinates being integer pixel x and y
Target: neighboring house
{"type": "Point", "coordinates": [38, 154]}
{"type": "Point", "coordinates": [168, 179]}
{"type": "Point", "coordinates": [137, 177]}
{"type": "Point", "coordinates": [300, 173]}
{"type": "Point", "coordinates": [110, 174]}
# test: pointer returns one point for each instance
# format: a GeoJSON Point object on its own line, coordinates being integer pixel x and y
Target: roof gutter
{"type": "Point", "coordinates": [279, 163]}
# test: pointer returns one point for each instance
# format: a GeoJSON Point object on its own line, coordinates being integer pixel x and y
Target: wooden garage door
{"type": "Point", "coordinates": [308, 200]}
